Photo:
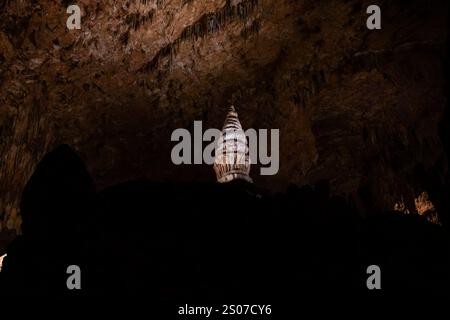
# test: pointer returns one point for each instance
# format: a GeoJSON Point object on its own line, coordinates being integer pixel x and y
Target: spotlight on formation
{"type": "Point", "coordinates": [232, 159]}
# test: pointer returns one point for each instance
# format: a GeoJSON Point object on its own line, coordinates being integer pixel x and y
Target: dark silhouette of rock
{"type": "Point", "coordinates": [56, 206]}
{"type": "Point", "coordinates": [211, 242]}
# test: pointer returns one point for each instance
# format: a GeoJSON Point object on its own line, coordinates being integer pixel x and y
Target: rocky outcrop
{"type": "Point", "coordinates": [174, 242]}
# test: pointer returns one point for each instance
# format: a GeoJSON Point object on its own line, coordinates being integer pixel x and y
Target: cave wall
{"type": "Point", "coordinates": [359, 108]}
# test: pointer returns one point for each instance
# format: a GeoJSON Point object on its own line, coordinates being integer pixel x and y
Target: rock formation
{"type": "Point", "coordinates": [212, 242]}
{"type": "Point", "coordinates": [232, 154]}
{"type": "Point", "coordinates": [362, 109]}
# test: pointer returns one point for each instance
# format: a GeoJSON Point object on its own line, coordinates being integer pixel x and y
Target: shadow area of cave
{"type": "Point", "coordinates": [210, 242]}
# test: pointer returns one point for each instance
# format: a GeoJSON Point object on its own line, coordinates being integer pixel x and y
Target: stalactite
{"type": "Point", "coordinates": [302, 96]}
{"type": "Point", "coordinates": [252, 29]}
{"type": "Point", "coordinates": [159, 3]}
{"type": "Point", "coordinates": [135, 20]}
{"type": "Point", "coordinates": [124, 37]}
{"type": "Point", "coordinates": [213, 24]}
{"type": "Point", "coordinates": [246, 8]}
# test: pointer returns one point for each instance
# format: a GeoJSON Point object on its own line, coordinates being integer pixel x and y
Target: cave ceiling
{"type": "Point", "coordinates": [360, 108]}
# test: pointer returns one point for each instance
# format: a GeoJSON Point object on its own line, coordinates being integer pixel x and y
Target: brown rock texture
{"type": "Point", "coordinates": [360, 108]}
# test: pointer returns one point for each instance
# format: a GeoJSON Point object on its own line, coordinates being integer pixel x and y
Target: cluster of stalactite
{"type": "Point", "coordinates": [159, 3]}
{"type": "Point", "coordinates": [135, 20]}
{"type": "Point", "coordinates": [206, 24]}
{"type": "Point", "coordinates": [124, 37]}
{"type": "Point", "coordinates": [368, 60]}
{"type": "Point", "coordinates": [301, 95]}
{"type": "Point", "coordinates": [252, 29]}
{"type": "Point", "coordinates": [24, 138]}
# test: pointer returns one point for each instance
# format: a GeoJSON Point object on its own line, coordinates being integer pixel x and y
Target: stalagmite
{"type": "Point", "coordinates": [232, 154]}
{"type": "Point", "coordinates": [1, 261]}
